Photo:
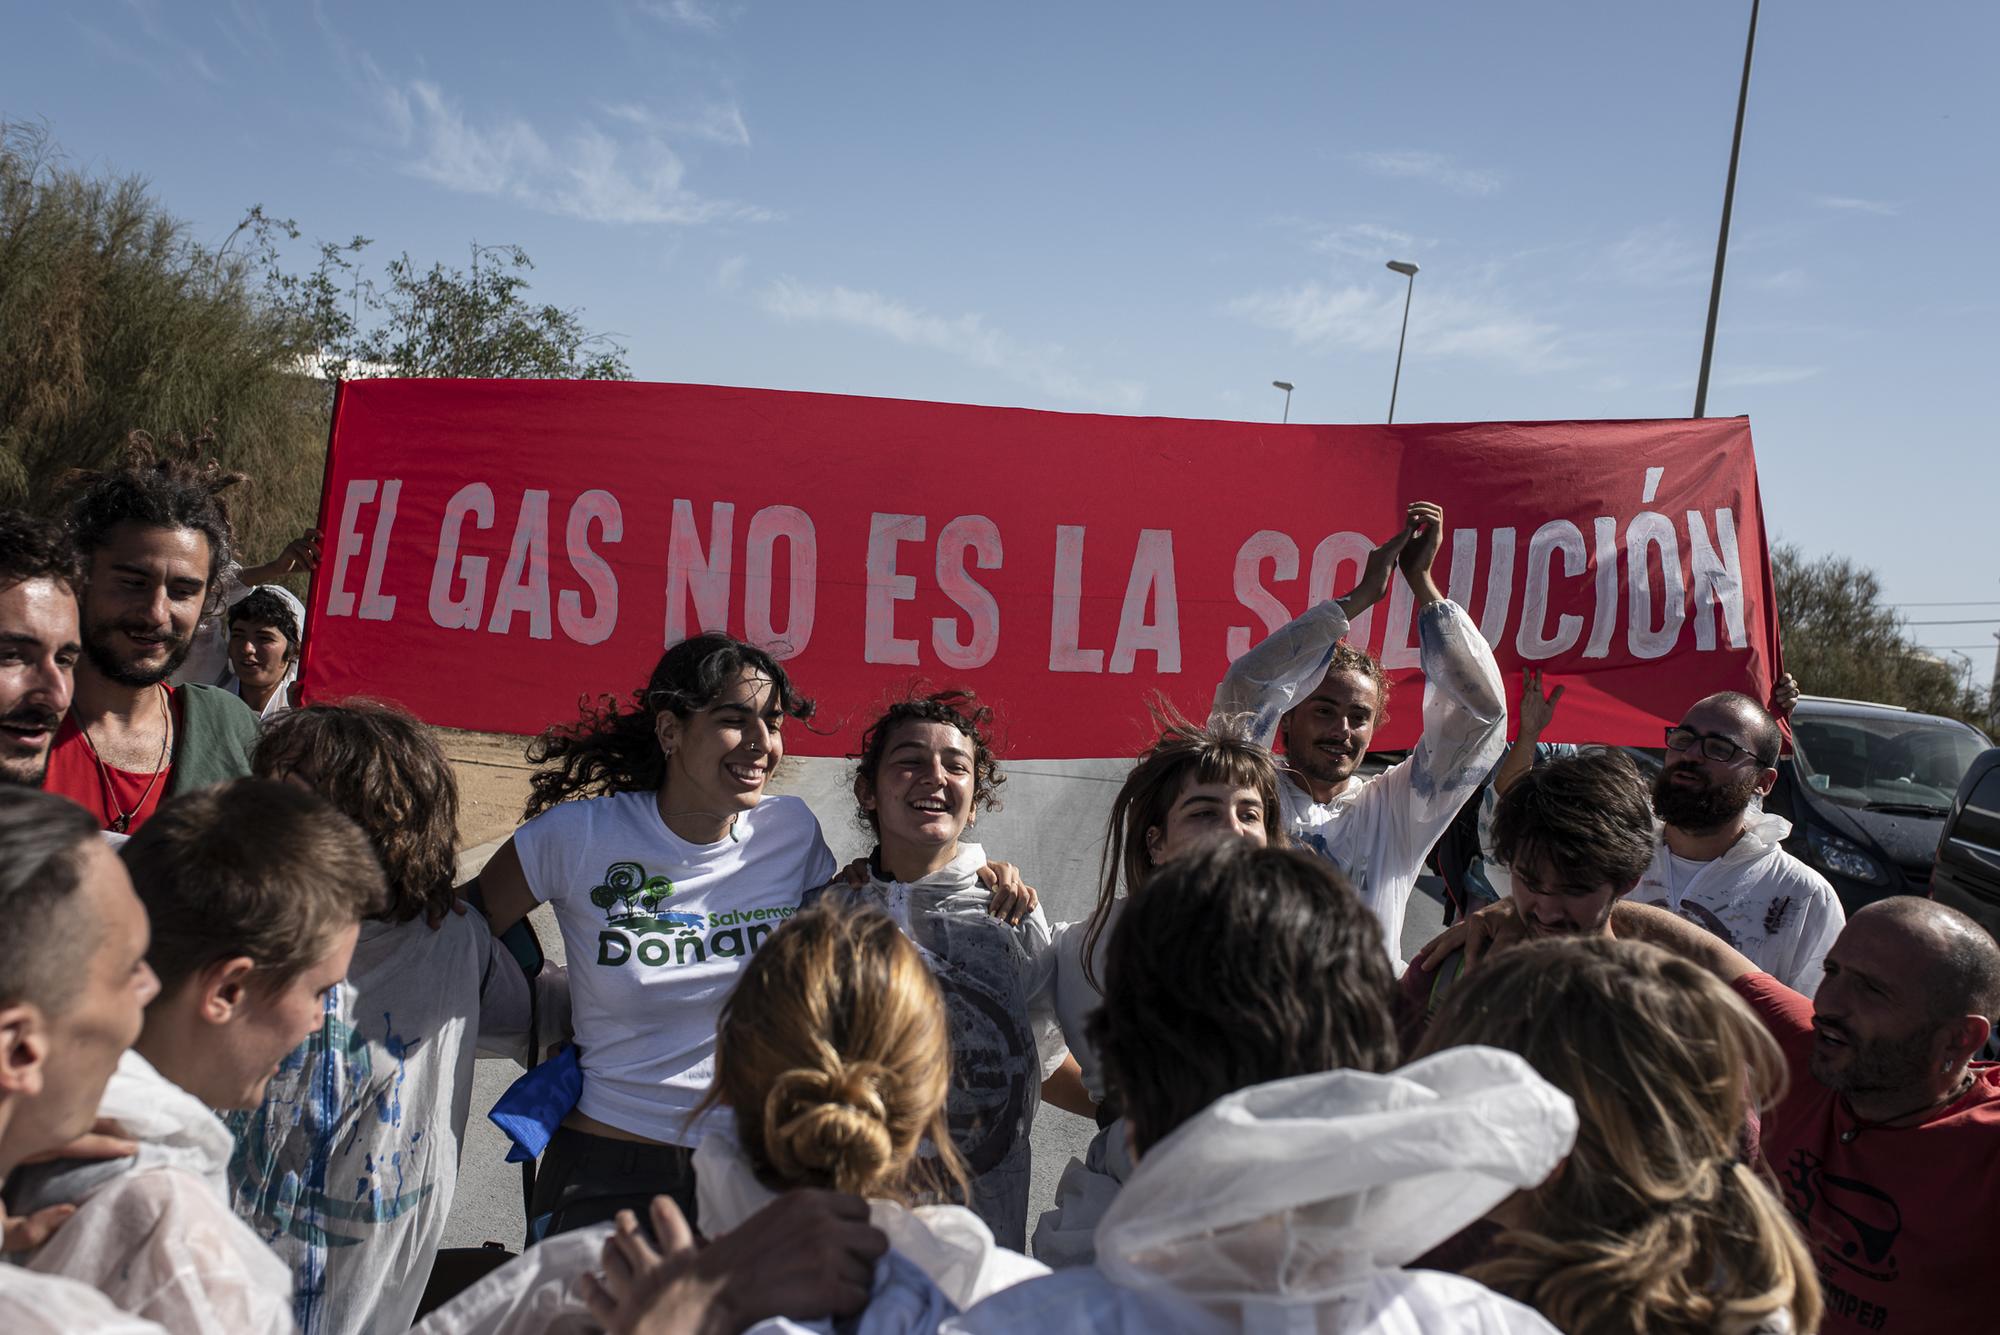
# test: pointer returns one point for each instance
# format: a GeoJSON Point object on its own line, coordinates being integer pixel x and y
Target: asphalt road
{"type": "Point", "coordinates": [1051, 826]}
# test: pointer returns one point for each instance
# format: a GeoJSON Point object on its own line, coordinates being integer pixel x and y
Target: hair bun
{"type": "Point", "coordinates": [829, 1126]}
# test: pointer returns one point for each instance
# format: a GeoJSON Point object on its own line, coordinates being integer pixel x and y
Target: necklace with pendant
{"type": "Point", "coordinates": [121, 820]}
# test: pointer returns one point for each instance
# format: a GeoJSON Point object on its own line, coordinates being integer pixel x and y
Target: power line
{"type": "Point", "coordinates": [1976, 621]}
{"type": "Point", "coordinates": [1966, 602]}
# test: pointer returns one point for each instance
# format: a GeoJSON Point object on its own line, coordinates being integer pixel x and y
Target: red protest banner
{"type": "Point", "coordinates": [497, 549]}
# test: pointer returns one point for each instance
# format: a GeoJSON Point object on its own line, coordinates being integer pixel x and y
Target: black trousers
{"type": "Point", "coordinates": [586, 1179]}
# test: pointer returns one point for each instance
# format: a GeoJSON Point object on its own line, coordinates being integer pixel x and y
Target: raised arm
{"type": "Point", "coordinates": [1536, 712]}
{"type": "Point", "coordinates": [1465, 703]}
{"type": "Point", "coordinates": [1282, 669]}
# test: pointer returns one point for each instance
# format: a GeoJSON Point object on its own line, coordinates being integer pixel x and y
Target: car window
{"type": "Point", "coordinates": [1980, 822]}
{"type": "Point", "coordinates": [1888, 763]}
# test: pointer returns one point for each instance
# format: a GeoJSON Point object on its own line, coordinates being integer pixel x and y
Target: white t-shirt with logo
{"type": "Point", "coordinates": [657, 930]}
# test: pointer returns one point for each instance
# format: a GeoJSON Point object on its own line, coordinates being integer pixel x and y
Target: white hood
{"type": "Point", "coordinates": [1295, 1191]}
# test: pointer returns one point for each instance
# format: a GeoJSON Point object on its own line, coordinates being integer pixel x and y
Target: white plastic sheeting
{"type": "Point", "coordinates": [1292, 1206]}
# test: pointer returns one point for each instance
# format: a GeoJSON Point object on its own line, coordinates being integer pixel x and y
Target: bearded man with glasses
{"type": "Point", "coordinates": [1720, 863]}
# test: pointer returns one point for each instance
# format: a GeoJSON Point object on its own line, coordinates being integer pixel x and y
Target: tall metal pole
{"type": "Point", "coordinates": [1722, 239]}
{"type": "Point", "coordinates": [1288, 409]}
{"type": "Point", "coordinates": [1396, 384]}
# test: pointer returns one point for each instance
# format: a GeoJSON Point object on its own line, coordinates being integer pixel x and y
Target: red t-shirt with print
{"type": "Point", "coordinates": [1903, 1222]}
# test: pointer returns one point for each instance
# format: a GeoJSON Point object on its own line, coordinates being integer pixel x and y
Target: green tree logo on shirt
{"type": "Point", "coordinates": [629, 896]}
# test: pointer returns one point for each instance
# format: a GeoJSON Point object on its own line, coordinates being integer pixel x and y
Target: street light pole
{"type": "Point", "coordinates": [1285, 385]}
{"type": "Point", "coordinates": [1408, 271]}
{"type": "Point", "coordinates": [1722, 239]}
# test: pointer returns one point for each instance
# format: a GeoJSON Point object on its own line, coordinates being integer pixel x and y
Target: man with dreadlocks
{"type": "Point", "coordinates": [152, 535]}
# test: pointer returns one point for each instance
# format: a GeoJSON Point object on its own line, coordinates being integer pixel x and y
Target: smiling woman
{"type": "Point", "coordinates": [671, 869]}
{"type": "Point", "coordinates": [926, 769]}
{"type": "Point", "coordinates": [1194, 788]}
{"type": "Point", "coordinates": [264, 648]}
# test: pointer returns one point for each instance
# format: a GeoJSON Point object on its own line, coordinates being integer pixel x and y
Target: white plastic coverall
{"type": "Point", "coordinates": [999, 985]}
{"type": "Point", "coordinates": [946, 1245]}
{"type": "Point", "coordinates": [1378, 831]}
{"type": "Point", "coordinates": [1757, 898]}
{"type": "Point", "coordinates": [155, 1233]}
{"type": "Point", "coordinates": [536, 1293]}
{"type": "Point", "coordinates": [1291, 1206]}
{"type": "Point", "coordinates": [942, 1260]}
{"type": "Point", "coordinates": [32, 1304]}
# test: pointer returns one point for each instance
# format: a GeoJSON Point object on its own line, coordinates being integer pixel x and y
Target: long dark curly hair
{"type": "Point", "coordinates": [166, 482]}
{"type": "Point", "coordinates": [615, 748]}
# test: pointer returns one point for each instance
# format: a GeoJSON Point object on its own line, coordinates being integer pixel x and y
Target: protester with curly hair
{"type": "Point", "coordinates": [668, 865]}
{"type": "Point", "coordinates": [926, 770]}
{"type": "Point", "coordinates": [153, 535]}
{"type": "Point", "coordinates": [350, 1165]}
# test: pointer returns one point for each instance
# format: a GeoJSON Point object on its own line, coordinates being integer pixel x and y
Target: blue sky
{"type": "Point", "coordinates": [1161, 208]}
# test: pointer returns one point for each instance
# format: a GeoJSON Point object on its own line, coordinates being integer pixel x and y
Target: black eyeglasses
{"type": "Point", "coordinates": [1717, 748]}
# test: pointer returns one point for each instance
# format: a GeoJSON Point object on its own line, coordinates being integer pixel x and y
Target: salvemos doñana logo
{"type": "Point", "coordinates": [637, 930]}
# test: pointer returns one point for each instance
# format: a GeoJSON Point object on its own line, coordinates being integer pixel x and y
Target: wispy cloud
{"type": "Point", "coordinates": [1882, 208]}
{"type": "Point", "coordinates": [715, 122]}
{"type": "Point", "coordinates": [1446, 323]}
{"type": "Point", "coordinates": [1043, 367]}
{"type": "Point", "coordinates": [635, 177]}
{"type": "Point", "coordinates": [729, 273]}
{"type": "Point", "coordinates": [1656, 255]}
{"type": "Point", "coordinates": [1437, 168]}
{"type": "Point", "coordinates": [1364, 241]}
{"type": "Point", "coordinates": [248, 29]}
{"type": "Point", "coordinates": [685, 13]}
{"type": "Point", "coordinates": [1765, 375]}
{"type": "Point", "coordinates": [168, 58]}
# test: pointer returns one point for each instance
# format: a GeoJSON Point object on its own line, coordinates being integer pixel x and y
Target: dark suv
{"type": "Point", "coordinates": [1967, 875]}
{"type": "Point", "coordinates": [1867, 789]}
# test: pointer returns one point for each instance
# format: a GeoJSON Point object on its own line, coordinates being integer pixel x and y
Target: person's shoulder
{"type": "Point", "coordinates": [461, 937]}
{"type": "Point", "coordinates": [157, 1201]}
{"type": "Point", "coordinates": [1793, 872]}
{"type": "Point", "coordinates": [37, 1304]}
{"type": "Point", "coordinates": [1778, 1006]}
{"type": "Point", "coordinates": [159, 1190]}
{"type": "Point", "coordinates": [585, 812]}
{"type": "Point", "coordinates": [216, 704]}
